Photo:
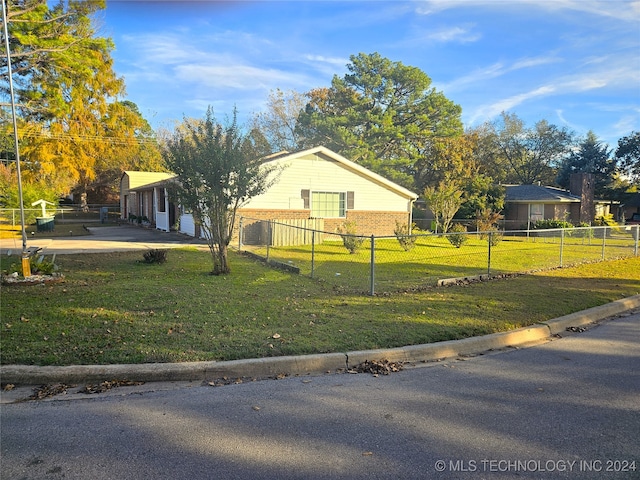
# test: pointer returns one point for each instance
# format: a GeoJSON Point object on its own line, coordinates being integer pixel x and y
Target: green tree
{"type": "Point", "coordinates": [481, 194]}
{"type": "Point", "coordinates": [457, 160]}
{"type": "Point", "coordinates": [446, 159]}
{"type": "Point", "coordinates": [74, 132]}
{"type": "Point", "coordinates": [381, 114]}
{"type": "Point", "coordinates": [9, 197]}
{"type": "Point", "coordinates": [628, 154]}
{"type": "Point", "coordinates": [218, 172]}
{"type": "Point", "coordinates": [528, 155]}
{"type": "Point", "coordinates": [591, 157]}
{"type": "Point", "coordinates": [51, 46]}
{"type": "Point", "coordinates": [444, 202]}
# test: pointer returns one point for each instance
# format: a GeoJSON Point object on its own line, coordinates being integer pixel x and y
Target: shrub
{"type": "Point", "coordinates": [405, 239]}
{"type": "Point", "coordinates": [605, 221]}
{"type": "Point", "coordinates": [585, 230]}
{"type": "Point", "coordinates": [351, 241]}
{"type": "Point", "coordinates": [457, 235]}
{"type": "Point", "coordinates": [38, 266]}
{"type": "Point", "coordinates": [551, 223]}
{"type": "Point", "coordinates": [155, 256]}
{"type": "Point", "coordinates": [494, 237]}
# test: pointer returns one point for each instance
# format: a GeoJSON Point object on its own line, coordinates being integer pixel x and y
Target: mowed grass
{"type": "Point", "coordinates": [112, 308]}
{"type": "Point", "coordinates": [434, 258]}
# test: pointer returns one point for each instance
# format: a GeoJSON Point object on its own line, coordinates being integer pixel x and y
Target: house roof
{"type": "Point", "coordinates": [347, 164]}
{"type": "Point", "coordinates": [147, 180]}
{"type": "Point", "coordinates": [538, 194]}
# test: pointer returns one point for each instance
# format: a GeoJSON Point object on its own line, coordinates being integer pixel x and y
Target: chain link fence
{"type": "Point", "coordinates": [385, 264]}
{"type": "Point", "coordinates": [70, 213]}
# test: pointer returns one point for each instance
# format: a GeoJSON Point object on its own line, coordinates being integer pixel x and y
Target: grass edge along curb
{"type": "Point", "coordinates": [310, 364]}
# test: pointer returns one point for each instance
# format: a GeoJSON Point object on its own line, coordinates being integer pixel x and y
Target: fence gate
{"type": "Point", "coordinates": [289, 233]}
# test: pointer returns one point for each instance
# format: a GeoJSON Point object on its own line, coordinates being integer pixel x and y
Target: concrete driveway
{"type": "Point", "coordinates": [104, 239]}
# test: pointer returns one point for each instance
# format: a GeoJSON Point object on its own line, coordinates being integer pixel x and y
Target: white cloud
{"type": "Point", "coordinates": [492, 110]}
{"type": "Point", "coordinates": [454, 34]}
{"type": "Point", "coordinates": [235, 76]}
{"type": "Point", "coordinates": [496, 70]}
{"type": "Point", "coordinates": [337, 61]}
{"type": "Point", "coordinates": [608, 76]}
{"type": "Point", "coordinates": [621, 10]}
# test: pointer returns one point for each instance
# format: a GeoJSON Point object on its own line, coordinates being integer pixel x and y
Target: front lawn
{"type": "Point", "coordinates": [112, 308]}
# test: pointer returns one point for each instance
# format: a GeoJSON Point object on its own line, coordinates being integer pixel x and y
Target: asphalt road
{"type": "Point", "coordinates": [568, 408]}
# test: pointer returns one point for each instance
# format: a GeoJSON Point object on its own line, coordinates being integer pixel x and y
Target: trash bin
{"type": "Point", "coordinates": [45, 224]}
{"type": "Point", "coordinates": [104, 214]}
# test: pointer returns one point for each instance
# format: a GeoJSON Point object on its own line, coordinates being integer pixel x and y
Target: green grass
{"type": "Point", "coordinates": [112, 308]}
{"type": "Point", "coordinates": [434, 258]}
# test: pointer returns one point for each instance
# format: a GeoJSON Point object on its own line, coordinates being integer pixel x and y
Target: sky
{"type": "Point", "coordinates": [573, 63]}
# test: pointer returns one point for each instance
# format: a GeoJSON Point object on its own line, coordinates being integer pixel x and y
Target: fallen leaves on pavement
{"type": "Point", "coordinates": [377, 367]}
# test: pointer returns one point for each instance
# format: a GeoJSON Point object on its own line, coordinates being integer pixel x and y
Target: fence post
{"type": "Point", "coordinates": [240, 235]}
{"type": "Point", "coordinates": [489, 242]}
{"type": "Point", "coordinates": [313, 251]}
{"type": "Point", "coordinates": [561, 245]}
{"type": "Point", "coordinates": [268, 237]}
{"type": "Point", "coordinates": [373, 265]}
{"type": "Point", "coordinates": [604, 236]}
{"type": "Point", "coordinates": [637, 237]}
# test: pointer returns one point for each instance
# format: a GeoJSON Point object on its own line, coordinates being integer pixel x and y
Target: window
{"type": "Point", "coordinates": [536, 212]}
{"type": "Point", "coordinates": [328, 204]}
{"type": "Point", "coordinates": [161, 200]}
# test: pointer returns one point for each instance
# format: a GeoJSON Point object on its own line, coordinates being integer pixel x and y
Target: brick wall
{"type": "Point", "coordinates": [367, 222]}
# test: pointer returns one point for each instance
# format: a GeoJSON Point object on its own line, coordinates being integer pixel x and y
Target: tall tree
{"type": "Point", "coordinates": [528, 155]}
{"type": "Point", "coordinates": [592, 156]}
{"type": "Point", "coordinates": [447, 159]}
{"type": "Point", "coordinates": [381, 114]}
{"type": "Point", "coordinates": [219, 171]}
{"type": "Point", "coordinates": [72, 129]}
{"type": "Point", "coordinates": [628, 153]}
{"type": "Point", "coordinates": [278, 122]}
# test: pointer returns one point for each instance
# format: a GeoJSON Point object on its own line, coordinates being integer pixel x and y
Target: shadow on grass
{"type": "Point", "coordinates": [113, 309]}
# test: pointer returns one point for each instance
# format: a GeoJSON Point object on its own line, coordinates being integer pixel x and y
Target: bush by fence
{"type": "Point", "coordinates": [382, 264]}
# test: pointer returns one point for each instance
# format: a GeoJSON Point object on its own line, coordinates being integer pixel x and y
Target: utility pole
{"type": "Point", "coordinates": [26, 266]}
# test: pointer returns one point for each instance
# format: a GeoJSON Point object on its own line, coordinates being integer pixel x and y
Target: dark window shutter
{"type": "Point", "coordinates": [350, 200]}
{"type": "Point", "coordinates": [305, 197]}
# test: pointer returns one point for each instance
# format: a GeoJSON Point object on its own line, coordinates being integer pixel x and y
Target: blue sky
{"type": "Point", "coordinates": [574, 63]}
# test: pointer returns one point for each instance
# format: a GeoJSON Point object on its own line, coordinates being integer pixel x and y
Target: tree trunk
{"type": "Point", "coordinates": [220, 260]}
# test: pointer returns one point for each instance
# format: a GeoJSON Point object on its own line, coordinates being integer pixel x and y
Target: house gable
{"type": "Point", "coordinates": [321, 170]}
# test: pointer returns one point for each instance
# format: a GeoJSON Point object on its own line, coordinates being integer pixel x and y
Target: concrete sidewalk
{"type": "Point", "coordinates": [314, 364]}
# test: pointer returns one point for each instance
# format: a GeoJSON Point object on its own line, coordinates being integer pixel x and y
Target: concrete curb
{"type": "Point", "coordinates": [309, 364]}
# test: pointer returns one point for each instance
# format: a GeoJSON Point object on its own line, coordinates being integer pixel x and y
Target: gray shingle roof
{"type": "Point", "coordinates": [538, 193]}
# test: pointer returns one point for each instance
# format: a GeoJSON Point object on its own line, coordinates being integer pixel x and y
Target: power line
{"type": "Point", "coordinates": [84, 137]}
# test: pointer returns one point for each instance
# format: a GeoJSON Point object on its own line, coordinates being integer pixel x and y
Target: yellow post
{"type": "Point", "coordinates": [26, 265]}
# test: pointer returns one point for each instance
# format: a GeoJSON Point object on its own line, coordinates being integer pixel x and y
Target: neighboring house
{"type": "Point", "coordinates": [526, 204]}
{"type": "Point", "coordinates": [144, 195]}
{"type": "Point", "coordinates": [631, 206]}
{"type": "Point", "coordinates": [313, 184]}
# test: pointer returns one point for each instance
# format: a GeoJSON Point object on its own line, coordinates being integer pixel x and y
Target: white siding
{"type": "Point", "coordinates": [320, 174]}
{"type": "Point", "coordinates": [186, 225]}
